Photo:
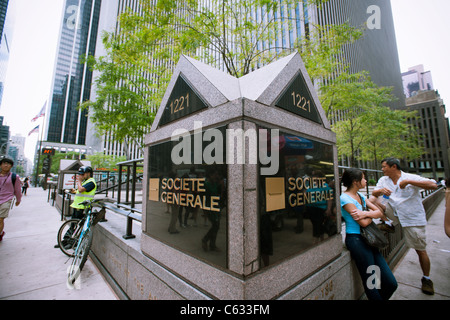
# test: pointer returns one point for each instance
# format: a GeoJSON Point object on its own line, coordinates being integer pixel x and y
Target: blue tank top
{"type": "Point", "coordinates": [352, 227]}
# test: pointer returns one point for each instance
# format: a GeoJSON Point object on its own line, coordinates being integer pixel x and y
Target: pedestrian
{"type": "Point", "coordinates": [378, 281]}
{"type": "Point", "coordinates": [25, 185]}
{"type": "Point", "coordinates": [9, 188]}
{"type": "Point", "coordinates": [214, 188]}
{"type": "Point", "coordinates": [447, 208]}
{"type": "Point", "coordinates": [405, 207]}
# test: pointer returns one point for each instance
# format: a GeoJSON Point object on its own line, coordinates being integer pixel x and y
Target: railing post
{"type": "Point", "coordinates": [127, 195]}
{"type": "Point", "coordinates": [133, 185]}
{"type": "Point", "coordinates": [63, 204]}
{"type": "Point", "coordinates": [129, 234]}
{"type": "Point", "coordinates": [119, 184]}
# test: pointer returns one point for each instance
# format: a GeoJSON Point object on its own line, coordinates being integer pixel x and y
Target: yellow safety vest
{"type": "Point", "coordinates": [83, 196]}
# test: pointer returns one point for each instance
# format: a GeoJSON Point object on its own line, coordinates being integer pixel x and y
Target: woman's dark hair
{"type": "Point", "coordinates": [350, 175]}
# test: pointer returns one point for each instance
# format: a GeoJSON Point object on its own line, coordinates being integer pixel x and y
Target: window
{"type": "Point", "coordinates": [297, 206]}
{"type": "Point", "coordinates": [187, 207]}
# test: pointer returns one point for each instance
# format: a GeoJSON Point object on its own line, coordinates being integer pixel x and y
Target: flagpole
{"type": "Point", "coordinates": [41, 113]}
{"type": "Point", "coordinates": [39, 159]}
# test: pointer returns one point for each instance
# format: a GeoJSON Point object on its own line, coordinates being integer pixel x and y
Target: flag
{"type": "Point", "coordinates": [36, 129]}
{"type": "Point", "coordinates": [41, 113]}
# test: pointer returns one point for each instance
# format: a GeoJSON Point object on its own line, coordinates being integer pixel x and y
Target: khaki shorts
{"type": "Point", "coordinates": [415, 237]}
{"type": "Point", "coordinates": [4, 209]}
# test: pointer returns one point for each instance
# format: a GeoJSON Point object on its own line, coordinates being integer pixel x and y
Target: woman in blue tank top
{"type": "Point", "coordinates": [378, 281]}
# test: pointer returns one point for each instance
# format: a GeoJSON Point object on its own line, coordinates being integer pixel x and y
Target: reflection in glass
{"type": "Point", "coordinates": [298, 204]}
{"type": "Point", "coordinates": [187, 205]}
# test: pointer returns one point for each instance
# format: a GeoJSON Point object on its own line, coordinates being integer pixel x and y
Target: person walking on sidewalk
{"type": "Point", "coordinates": [405, 207]}
{"type": "Point", "coordinates": [10, 187]}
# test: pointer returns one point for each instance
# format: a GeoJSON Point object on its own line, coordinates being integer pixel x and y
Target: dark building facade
{"type": "Point", "coordinates": [3, 11]}
{"type": "Point", "coordinates": [4, 137]}
{"type": "Point", "coordinates": [72, 79]}
{"type": "Point", "coordinates": [434, 130]}
{"type": "Point", "coordinates": [376, 52]}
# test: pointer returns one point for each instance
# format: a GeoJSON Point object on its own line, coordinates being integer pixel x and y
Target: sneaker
{"type": "Point", "coordinates": [1, 235]}
{"type": "Point", "coordinates": [427, 286]}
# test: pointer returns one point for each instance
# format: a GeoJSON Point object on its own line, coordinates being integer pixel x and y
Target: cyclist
{"type": "Point", "coordinates": [86, 188]}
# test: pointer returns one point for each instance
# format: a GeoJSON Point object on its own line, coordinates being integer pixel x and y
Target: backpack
{"type": "Point", "coordinates": [13, 179]}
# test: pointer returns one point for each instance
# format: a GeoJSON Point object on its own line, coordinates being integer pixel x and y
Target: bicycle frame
{"type": "Point", "coordinates": [83, 245]}
{"type": "Point", "coordinates": [86, 227]}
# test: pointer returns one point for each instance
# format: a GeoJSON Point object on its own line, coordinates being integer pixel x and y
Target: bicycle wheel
{"type": "Point", "coordinates": [68, 235]}
{"type": "Point", "coordinates": [80, 257]}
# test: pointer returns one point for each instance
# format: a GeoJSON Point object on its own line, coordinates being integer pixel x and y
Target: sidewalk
{"type": "Point", "coordinates": [409, 273]}
{"type": "Point", "coordinates": [30, 267]}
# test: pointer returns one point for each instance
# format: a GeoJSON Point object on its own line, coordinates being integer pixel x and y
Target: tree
{"type": "Point", "coordinates": [227, 34]}
{"type": "Point", "coordinates": [390, 134]}
{"type": "Point", "coordinates": [140, 58]}
{"type": "Point", "coordinates": [100, 161]}
{"type": "Point", "coordinates": [364, 126]}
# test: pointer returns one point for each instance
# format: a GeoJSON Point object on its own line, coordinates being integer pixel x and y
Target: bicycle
{"type": "Point", "coordinates": [75, 238]}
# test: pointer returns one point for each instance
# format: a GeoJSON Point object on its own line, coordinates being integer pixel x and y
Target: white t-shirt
{"type": "Point", "coordinates": [407, 203]}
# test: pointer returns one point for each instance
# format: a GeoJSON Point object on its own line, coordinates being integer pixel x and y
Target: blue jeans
{"type": "Point", "coordinates": [365, 258]}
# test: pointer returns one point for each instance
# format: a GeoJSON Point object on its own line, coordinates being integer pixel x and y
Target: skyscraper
{"type": "Point", "coordinates": [72, 79]}
{"type": "Point", "coordinates": [430, 123]}
{"type": "Point", "coordinates": [108, 21]}
{"type": "Point", "coordinates": [5, 43]}
{"type": "Point", "coordinates": [376, 52]}
{"type": "Point", "coordinates": [416, 79]}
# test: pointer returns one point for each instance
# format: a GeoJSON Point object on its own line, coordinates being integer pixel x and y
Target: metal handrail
{"type": "Point", "coordinates": [130, 215]}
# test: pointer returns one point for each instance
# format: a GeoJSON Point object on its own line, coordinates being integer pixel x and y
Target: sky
{"type": "Point", "coordinates": [31, 65]}
{"type": "Point", "coordinates": [422, 29]}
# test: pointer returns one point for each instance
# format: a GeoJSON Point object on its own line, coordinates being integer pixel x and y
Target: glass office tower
{"type": "Point", "coordinates": [376, 52]}
{"type": "Point", "coordinates": [72, 79]}
{"type": "Point", "coordinates": [5, 43]}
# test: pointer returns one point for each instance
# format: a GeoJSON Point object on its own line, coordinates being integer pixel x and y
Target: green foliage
{"type": "Point", "coordinates": [366, 129]}
{"type": "Point", "coordinates": [100, 161]}
{"type": "Point", "coordinates": [227, 34]}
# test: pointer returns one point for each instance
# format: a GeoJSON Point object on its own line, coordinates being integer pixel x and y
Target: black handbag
{"type": "Point", "coordinates": [373, 236]}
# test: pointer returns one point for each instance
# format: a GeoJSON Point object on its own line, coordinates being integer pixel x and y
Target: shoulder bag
{"type": "Point", "coordinates": [373, 236]}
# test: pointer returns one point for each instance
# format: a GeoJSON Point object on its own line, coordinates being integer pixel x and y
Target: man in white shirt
{"type": "Point", "coordinates": [403, 190]}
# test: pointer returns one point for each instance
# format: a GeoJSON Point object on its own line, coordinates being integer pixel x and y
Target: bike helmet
{"type": "Point", "coordinates": [85, 169]}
